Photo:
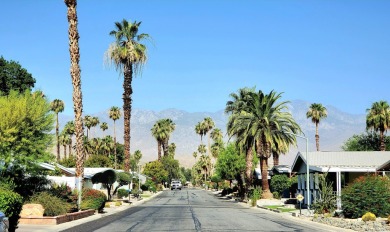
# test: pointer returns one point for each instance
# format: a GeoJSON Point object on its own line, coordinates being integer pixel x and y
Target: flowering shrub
{"type": "Point", "coordinates": [93, 199]}
{"type": "Point", "coordinates": [367, 194]}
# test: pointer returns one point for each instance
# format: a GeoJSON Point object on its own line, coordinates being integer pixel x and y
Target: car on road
{"type": "Point", "coordinates": [176, 184]}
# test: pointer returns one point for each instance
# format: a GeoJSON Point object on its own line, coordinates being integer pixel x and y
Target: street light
{"type": "Point", "coordinates": [307, 167]}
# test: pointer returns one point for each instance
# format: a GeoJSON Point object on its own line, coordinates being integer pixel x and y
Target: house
{"type": "Point", "coordinates": [342, 168]}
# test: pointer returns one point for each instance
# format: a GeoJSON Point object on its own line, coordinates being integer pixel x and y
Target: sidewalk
{"type": "Point", "coordinates": [67, 225]}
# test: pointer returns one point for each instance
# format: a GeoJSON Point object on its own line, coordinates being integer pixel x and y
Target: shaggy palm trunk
{"type": "Point", "coordinates": [76, 81]}
{"type": "Point", "coordinates": [128, 75]}
{"type": "Point", "coordinates": [70, 147]}
{"type": "Point", "coordinates": [64, 151]}
{"type": "Point", "coordinates": [165, 147]}
{"type": "Point", "coordinates": [382, 141]}
{"type": "Point", "coordinates": [115, 161]}
{"type": "Point", "coordinates": [249, 167]}
{"type": "Point", "coordinates": [159, 150]}
{"type": "Point", "coordinates": [264, 174]}
{"type": "Point", "coordinates": [275, 156]}
{"type": "Point", "coordinates": [58, 141]}
{"type": "Point", "coordinates": [317, 138]}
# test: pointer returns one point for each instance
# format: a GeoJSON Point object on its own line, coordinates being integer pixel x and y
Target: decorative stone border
{"type": "Point", "coordinates": [57, 219]}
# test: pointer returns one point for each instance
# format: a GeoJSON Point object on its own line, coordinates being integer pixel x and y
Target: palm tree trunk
{"type": "Point", "coordinates": [264, 177]}
{"type": "Point", "coordinates": [165, 147]}
{"type": "Point", "coordinates": [57, 136]}
{"type": "Point", "coordinates": [76, 81]}
{"type": "Point", "coordinates": [70, 147]}
{"type": "Point", "coordinates": [115, 165]}
{"type": "Point", "coordinates": [159, 150]}
{"type": "Point", "coordinates": [128, 75]}
{"type": "Point", "coordinates": [64, 151]}
{"type": "Point", "coordinates": [275, 156]}
{"type": "Point", "coordinates": [382, 139]}
{"type": "Point", "coordinates": [317, 138]}
{"type": "Point", "coordinates": [249, 167]}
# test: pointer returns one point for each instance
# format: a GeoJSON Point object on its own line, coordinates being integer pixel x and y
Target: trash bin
{"type": "Point", "coordinates": [3, 222]}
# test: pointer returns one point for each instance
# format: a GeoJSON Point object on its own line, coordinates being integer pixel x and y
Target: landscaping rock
{"type": "Point", "coordinates": [353, 224]}
{"type": "Point", "coordinates": [32, 210]}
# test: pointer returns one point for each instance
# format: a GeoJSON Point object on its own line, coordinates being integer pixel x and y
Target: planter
{"type": "Point", "coordinates": [36, 220]}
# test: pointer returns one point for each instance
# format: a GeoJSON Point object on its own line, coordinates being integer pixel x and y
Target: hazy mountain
{"type": "Point", "coordinates": [333, 131]}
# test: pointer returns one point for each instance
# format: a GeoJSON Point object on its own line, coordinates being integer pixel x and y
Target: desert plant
{"type": "Point", "coordinates": [123, 193]}
{"type": "Point", "coordinates": [107, 205]}
{"type": "Point", "coordinates": [368, 193]}
{"type": "Point", "coordinates": [93, 199]}
{"type": "Point", "coordinates": [11, 205]}
{"type": "Point", "coordinates": [327, 200]}
{"type": "Point", "coordinates": [53, 205]}
{"type": "Point", "coordinates": [254, 195]}
{"type": "Point", "coordinates": [368, 217]}
{"type": "Point", "coordinates": [118, 203]}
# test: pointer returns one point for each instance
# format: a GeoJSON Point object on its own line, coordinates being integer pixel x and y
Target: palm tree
{"type": "Point", "coordinates": [195, 154]}
{"type": "Point", "coordinates": [69, 129]}
{"type": "Point", "coordinates": [172, 150]}
{"type": "Point", "coordinates": [128, 55]}
{"type": "Point", "coordinates": [115, 114]}
{"type": "Point", "coordinates": [61, 141]}
{"type": "Point", "coordinates": [216, 135]}
{"type": "Point", "coordinates": [167, 127]}
{"type": "Point", "coordinates": [158, 135]}
{"type": "Point", "coordinates": [94, 122]}
{"type": "Point", "coordinates": [88, 123]}
{"type": "Point", "coordinates": [76, 82]}
{"type": "Point", "coordinates": [104, 127]}
{"type": "Point", "coordinates": [378, 119]}
{"type": "Point", "coordinates": [316, 112]}
{"type": "Point", "coordinates": [200, 130]}
{"type": "Point", "coordinates": [208, 124]}
{"type": "Point", "coordinates": [57, 106]}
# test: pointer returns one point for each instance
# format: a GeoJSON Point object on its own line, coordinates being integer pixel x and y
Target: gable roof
{"type": "Point", "coordinates": [343, 160]}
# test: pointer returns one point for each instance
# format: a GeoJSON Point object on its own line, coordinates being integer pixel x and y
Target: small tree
{"type": "Point", "coordinates": [107, 178]}
{"type": "Point", "coordinates": [122, 178]}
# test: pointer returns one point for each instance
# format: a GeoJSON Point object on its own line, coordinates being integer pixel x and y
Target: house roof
{"type": "Point", "coordinates": [343, 160]}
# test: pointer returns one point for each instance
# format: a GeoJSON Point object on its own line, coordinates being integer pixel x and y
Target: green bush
{"type": "Point", "coordinates": [367, 194]}
{"type": "Point", "coordinates": [53, 205]}
{"type": "Point", "coordinates": [11, 204]}
{"type": "Point", "coordinates": [254, 195]}
{"type": "Point", "coordinates": [93, 199]}
{"type": "Point", "coordinates": [276, 195]}
{"type": "Point", "coordinates": [279, 183]}
{"type": "Point", "coordinates": [123, 193]}
{"type": "Point", "coordinates": [65, 193]}
{"type": "Point", "coordinates": [368, 217]}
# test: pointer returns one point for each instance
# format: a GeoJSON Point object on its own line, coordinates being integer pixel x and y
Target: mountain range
{"type": "Point", "coordinates": [333, 130]}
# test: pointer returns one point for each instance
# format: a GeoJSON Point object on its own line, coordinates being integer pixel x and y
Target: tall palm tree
{"type": "Point", "coordinates": [88, 123]}
{"type": "Point", "coordinates": [69, 129]}
{"type": "Point", "coordinates": [208, 125]}
{"type": "Point", "coordinates": [104, 127]}
{"type": "Point", "coordinates": [115, 114]}
{"type": "Point", "coordinates": [200, 130]}
{"type": "Point", "coordinates": [168, 126]}
{"type": "Point", "coordinates": [76, 82]}
{"type": "Point", "coordinates": [158, 134]}
{"type": "Point", "coordinates": [61, 141]}
{"type": "Point", "coordinates": [378, 119]}
{"type": "Point", "coordinates": [216, 135]}
{"type": "Point", "coordinates": [57, 106]}
{"type": "Point", "coordinates": [195, 154]}
{"type": "Point", "coordinates": [317, 112]}
{"type": "Point", "coordinates": [128, 55]}
{"type": "Point", "coordinates": [94, 122]}
{"type": "Point", "coordinates": [172, 149]}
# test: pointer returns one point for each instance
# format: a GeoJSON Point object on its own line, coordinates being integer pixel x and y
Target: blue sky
{"type": "Point", "coordinates": [331, 52]}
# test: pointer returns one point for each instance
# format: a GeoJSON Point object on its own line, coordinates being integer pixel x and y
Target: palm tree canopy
{"type": "Point", "coordinates": [216, 134]}
{"type": "Point", "coordinates": [316, 112]}
{"type": "Point", "coordinates": [57, 106]}
{"type": "Point", "coordinates": [162, 129]}
{"type": "Point", "coordinates": [104, 126]}
{"type": "Point", "coordinates": [69, 128]}
{"type": "Point", "coordinates": [378, 116]}
{"type": "Point", "coordinates": [127, 50]}
{"type": "Point", "coordinates": [114, 113]}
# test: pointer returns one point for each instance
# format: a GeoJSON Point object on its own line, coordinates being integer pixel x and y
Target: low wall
{"type": "Point", "coordinates": [57, 219]}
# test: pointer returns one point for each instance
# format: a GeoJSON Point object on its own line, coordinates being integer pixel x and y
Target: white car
{"type": "Point", "coordinates": [176, 184]}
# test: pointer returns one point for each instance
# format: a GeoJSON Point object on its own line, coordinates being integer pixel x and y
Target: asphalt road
{"type": "Point", "coordinates": [194, 210]}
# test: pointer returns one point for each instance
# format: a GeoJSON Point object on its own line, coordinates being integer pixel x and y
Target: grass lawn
{"type": "Point", "coordinates": [279, 207]}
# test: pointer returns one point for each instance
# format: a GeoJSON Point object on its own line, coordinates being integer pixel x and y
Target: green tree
{"type": "Point", "coordinates": [88, 123]}
{"type": "Point", "coordinates": [161, 131]}
{"type": "Point", "coordinates": [25, 126]}
{"type": "Point", "coordinates": [57, 106]}
{"type": "Point", "coordinates": [230, 163]}
{"type": "Point", "coordinates": [369, 141]}
{"type": "Point", "coordinates": [128, 55]}
{"type": "Point", "coordinates": [172, 167]}
{"type": "Point", "coordinates": [104, 127]}
{"type": "Point", "coordinates": [317, 112]}
{"type": "Point", "coordinates": [14, 77]}
{"type": "Point", "coordinates": [156, 171]}
{"type": "Point", "coordinates": [115, 114]}
{"type": "Point", "coordinates": [76, 82]}
{"type": "Point", "coordinates": [95, 122]}
{"type": "Point", "coordinates": [378, 119]}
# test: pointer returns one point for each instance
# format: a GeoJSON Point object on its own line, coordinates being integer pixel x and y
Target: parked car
{"type": "Point", "coordinates": [3, 222]}
{"type": "Point", "coordinates": [176, 184]}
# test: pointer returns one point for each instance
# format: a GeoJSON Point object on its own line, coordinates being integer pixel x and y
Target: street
{"type": "Point", "coordinates": [194, 210]}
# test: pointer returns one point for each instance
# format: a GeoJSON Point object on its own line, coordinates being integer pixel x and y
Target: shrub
{"type": "Point", "coordinates": [123, 193]}
{"type": "Point", "coordinates": [107, 205]}
{"type": "Point", "coordinates": [118, 203]}
{"type": "Point", "coordinates": [254, 195]}
{"type": "Point", "coordinates": [93, 199]}
{"type": "Point", "coordinates": [64, 192]}
{"type": "Point", "coordinates": [368, 217]}
{"type": "Point", "coordinates": [144, 187]}
{"type": "Point", "coordinates": [276, 195]}
{"type": "Point", "coordinates": [327, 200]}
{"type": "Point", "coordinates": [367, 194]}
{"type": "Point", "coordinates": [53, 205]}
{"type": "Point", "coordinates": [388, 219]}
{"type": "Point", "coordinates": [11, 205]}
{"type": "Point", "coordinates": [279, 183]}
